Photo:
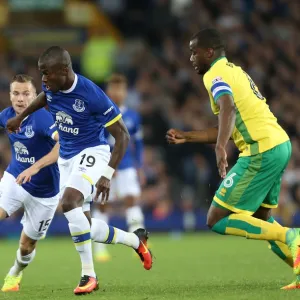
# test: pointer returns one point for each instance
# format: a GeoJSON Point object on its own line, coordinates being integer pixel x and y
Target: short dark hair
{"type": "Point", "coordinates": [117, 78]}
{"type": "Point", "coordinates": [22, 78]}
{"type": "Point", "coordinates": [209, 38]}
{"type": "Point", "coordinates": [57, 53]}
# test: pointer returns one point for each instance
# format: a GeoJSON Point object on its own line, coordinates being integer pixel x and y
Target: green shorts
{"type": "Point", "coordinates": [254, 181]}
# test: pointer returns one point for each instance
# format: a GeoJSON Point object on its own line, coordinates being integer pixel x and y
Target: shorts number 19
{"type": "Point", "coordinates": [90, 160]}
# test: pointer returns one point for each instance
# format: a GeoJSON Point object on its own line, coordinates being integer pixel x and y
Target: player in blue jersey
{"type": "Point", "coordinates": [82, 112]}
{"type": "Point", "coordinates": [33, 148]}
{"type": "Point", "coordinates": [125, 184]}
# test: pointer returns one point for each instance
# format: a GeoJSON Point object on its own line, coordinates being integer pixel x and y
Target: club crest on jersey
{"type": "Point", "coordinates": [78, 105]}
{"type": "Point", "coordinates": [29, 131]}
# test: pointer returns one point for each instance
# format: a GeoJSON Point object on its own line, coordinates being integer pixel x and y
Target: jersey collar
{"type": "Point", "coordinates": [71, 89]}
{"type": "Point", "coordinates": [216, 60]}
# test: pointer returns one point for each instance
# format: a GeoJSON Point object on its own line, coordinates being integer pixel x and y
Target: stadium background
{"type": "Point", "coordinates": [148, 41]}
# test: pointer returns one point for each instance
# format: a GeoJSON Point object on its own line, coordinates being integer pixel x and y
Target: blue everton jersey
{"type": "Point", "coordinates": [134, 153]}
{"type": "Point", "coordinates": [81, 114]}
{"type": "Point", "coordinates": [31, 143]}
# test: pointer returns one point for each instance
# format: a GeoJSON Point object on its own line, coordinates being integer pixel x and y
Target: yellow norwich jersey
{"type": "Point", "coordinates": [256, 129]}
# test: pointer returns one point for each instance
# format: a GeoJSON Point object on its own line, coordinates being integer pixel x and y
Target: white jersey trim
{"type": "Point", "coordinates": [71, 89]}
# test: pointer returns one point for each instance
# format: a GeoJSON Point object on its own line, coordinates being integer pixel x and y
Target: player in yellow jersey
{"type": "Point", "coordinates": [242, 204]}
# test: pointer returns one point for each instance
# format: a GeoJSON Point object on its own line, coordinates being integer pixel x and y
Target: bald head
{"type": "Point", "coordinates": [56, 55]}
{"type": "Point", "coordinates": [56, 66]}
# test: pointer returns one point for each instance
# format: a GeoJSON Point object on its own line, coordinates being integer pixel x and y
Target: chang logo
{"type": "Point", "coordinates": [62, 120]}
{"type": "Point", "coordinates": [22, 151]}
{"type": "Point", "coordinates": [62, 117]}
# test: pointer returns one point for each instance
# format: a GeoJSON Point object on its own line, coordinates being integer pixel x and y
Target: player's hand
{"type": "Point", "coordinates": [175, 136]}
{"type": "Point", "coordinates": [26, 175]}
{"type": "Point", "coordinates": [103, 187]}
{"type": "Point", "coordinates": [13, 125]}
{"type": "Point", "coordinates": [222, 164]}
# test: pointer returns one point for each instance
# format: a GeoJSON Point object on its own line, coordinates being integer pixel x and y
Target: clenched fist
{"type": "Point", "coordinates": [175, 136]}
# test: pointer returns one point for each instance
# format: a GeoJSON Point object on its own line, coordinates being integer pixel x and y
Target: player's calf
{"type": "Point", "coordinates": [80, 230]}
{"type": "Point", "coordinates": [25, 255]}
{"type": "Point", "coordinates": [103, 233]}
{"type": "Point", "coordinates": [26, 245]}
{"type": "Point", "coordinates": [134, 214]}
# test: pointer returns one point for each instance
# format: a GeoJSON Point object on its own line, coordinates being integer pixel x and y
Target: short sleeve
{"type": "Point", "coordinates": [48, 125]}
{"type": "Point", "coordinates": [220, 88]}
{"type": "Point", "coordinates": [217, 86]}
{"type": "Point", "coordinates": [105, 109]}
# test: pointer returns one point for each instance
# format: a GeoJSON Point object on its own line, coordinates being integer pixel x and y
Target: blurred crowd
{"type": "Point", "coordinates": [263, 36]}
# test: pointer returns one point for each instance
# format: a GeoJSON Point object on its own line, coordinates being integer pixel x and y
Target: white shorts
{"type": "Point", "coordinates": [38, 212]}
{"type": "Point", "coordinates": [125, 183]}
{"type": "Point", "coordinates": [82, 171]}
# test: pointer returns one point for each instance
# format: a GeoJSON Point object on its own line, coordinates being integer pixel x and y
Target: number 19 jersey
{"type": "Point", "coordinates": [256, 128]}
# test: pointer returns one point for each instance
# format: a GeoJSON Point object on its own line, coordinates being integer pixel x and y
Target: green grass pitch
{"type": "Point", "coordinates": [196, 266]}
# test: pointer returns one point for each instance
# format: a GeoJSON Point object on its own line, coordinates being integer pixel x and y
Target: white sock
{"type": "Point", "coordinates": [81, 234]}
{"type": "Point", "coordinates": [100, 247]}
{"type": "Point", "coordinates": [21, 263]}
{"type": "Point", "coordinates": [134, 218]}
{"type": "Point", "coordinates": [103, 233]}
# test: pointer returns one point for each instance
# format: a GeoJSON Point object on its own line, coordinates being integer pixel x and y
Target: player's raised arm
{"type": "Point", "coordinates": [119, 131]}
{"type": "Point", "coordinates": [39, 102]}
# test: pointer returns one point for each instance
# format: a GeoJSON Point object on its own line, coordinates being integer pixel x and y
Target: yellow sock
{"type": "Point", "coordinates": [280, 249]}
{"type": "Point", "coordinates": [251, 228]}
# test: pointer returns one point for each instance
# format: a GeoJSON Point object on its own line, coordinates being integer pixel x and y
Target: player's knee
{"type": "Point", "coordinates": [214, 215]}
{"type": "Point", "coordinates": [129, 201]}
{"type": "Point", "coordinates": [27, 246]}
{"type": "Point", "coordinates": [102, 208]}
{"type": "Point", "coordinates": [71, 199]}
{"type": "Point", "coordinates": [67, 205]}
{"type": "Point", "coordinates": [211, 220]}
{"type": "Point", "coordinates": [263, 213]}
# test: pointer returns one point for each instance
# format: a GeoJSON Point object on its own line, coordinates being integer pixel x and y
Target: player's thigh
{"type": "Point", "coordinates": [12, 195]}
{"type": "Point", "coordinates": [65, 169]}
{"type": "Point", "coordinates": [238, 191]}
{"type": "Point", "coordinates": [254, 179]}
{"type": "Point", "coordinates": [88, 167]}
{"type": "Point", "coordinates": [128, 183]}
{"type": "Point", "coordinates": [283, 154]}
{"type": "Point", "coordinates": [38, 215]}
